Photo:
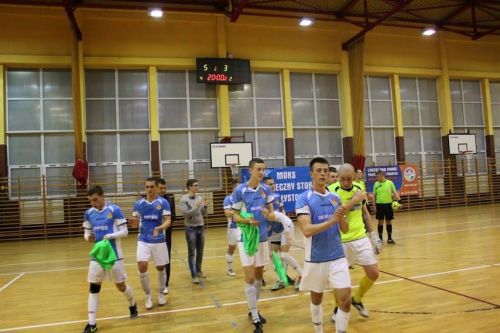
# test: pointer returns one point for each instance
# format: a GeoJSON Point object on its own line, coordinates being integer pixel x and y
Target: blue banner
{"type": "Point", "coordinates": [290, 182]}
{"type": "Point", "coordinates": [392, 172]}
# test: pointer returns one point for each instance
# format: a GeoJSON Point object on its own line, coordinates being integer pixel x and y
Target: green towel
{"type": "Point", "coordinates": [103, 253]}
{"type": "Point", "coordinates": [279, 268]}
{"type": "Point", "coordinates": [250, 235]}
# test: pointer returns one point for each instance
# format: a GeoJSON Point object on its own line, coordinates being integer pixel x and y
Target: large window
{"type": "Point", "coordinates": [316, 117]}
{"type": "Point", "coordinates": [117, 128]}
{"type": "Point", "coordinates": [422, 134]}
{"type": "Point", "coordinates": [380, 145]}
{"type": "Point", "coordinates": [188, 123]}
{"type": "Point", "coordinates": [495, 109]}
{"type": "Point", "coordinates": [40, 131]}
{"type": "Point", "coordinates": [256, 113]}
{"type": "Point", "coordinates": [467, 109]}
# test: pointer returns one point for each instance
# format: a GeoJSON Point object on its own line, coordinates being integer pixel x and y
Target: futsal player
{"type": "Point", "coordinates": [105, 221]}
{"type": "Point", "coordinates": [384, 192]}
{"type": "Point", "coordinates": [233, 233]}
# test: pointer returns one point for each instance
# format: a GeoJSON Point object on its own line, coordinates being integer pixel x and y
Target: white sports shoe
{"type": "Point", "coordinates": [165, 291]}
{"type": "Point", "coordinates": [162, 300]}
{"type": "Point", "coordinates": [230, 272]}
{"type": "Point", "coordinates": [149, 302]}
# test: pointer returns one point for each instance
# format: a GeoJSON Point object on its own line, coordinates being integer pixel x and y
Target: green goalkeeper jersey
{"type": "Point", "coordinates": [383, 191]}
{"type": "Point", "coordinates": [354, 216]}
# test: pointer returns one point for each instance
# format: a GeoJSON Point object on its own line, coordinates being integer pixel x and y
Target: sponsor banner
{"type": "Point", "coordinates": [404, 177]}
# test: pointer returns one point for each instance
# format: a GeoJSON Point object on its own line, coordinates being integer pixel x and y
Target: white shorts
{"type": "Point", "coordinates": [360, 252]}
{"type": "Point", "coordinates": [281, 237]}
{"type": "Point", "coordinates": [156, 250]}
{"type": "Point", "coordinates": [261, 258]}
{"type": "Point", "coordinates": [233, 235]}
{"type": "Point", "coordinates": [97, 274]}
{"type": "Point", "coordinates": [318, 276]}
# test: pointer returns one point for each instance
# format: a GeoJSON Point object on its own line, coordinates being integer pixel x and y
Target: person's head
{"type": "Point", "coordinates": [380, 176]}
{"type": "Point", "coordinates": [162, 186]}
{"type": "Point", "coordinates": [269, 181]}
{"type": "Point", "coordinates": [95, 194]}
{"type": "Point", "coordinates": [257, 167]}
{"type": "Point", "coordinates": [319, 171]}
{"type": "Point", "coordinates": [192, 185]}
{"type": "Point", "coordinates": [359, 175]}
{"type": "Point", "coordinates": [151, 186]}
{"type": "Point", "coordinates": [333, 175]}
{"type": "Point", "coordinates": [346, 175]}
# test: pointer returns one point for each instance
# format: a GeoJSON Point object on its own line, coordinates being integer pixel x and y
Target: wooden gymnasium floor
{"type": "Point", "coordinates": [442, 276]}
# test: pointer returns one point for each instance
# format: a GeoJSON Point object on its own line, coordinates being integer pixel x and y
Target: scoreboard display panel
{"type": "Point", "coordinates": [223, 71]}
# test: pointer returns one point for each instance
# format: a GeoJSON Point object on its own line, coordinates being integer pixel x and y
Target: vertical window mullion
{"type": "Point", "coordinates": [254, 106]}
{"type": "Point", "coordinates": [188, 108]}
{"type": "Point", "coordinates": [315, 109]}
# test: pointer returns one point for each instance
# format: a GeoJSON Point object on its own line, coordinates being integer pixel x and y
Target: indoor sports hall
{"type": "Point", "coordinates": [111, 93]}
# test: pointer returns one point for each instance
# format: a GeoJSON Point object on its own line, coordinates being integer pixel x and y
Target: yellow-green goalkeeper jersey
{"type": "Point", "coordinates": [383, 191]}
{"type": "Point", "coordinates": [354, 216]}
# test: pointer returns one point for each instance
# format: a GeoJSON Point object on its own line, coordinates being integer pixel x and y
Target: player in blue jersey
{"type": "Point", "coordinates": [153, 213]}
{"type": "Point", "coordinates": [252, 197]}
{"type": "Point", "coordinates": [233, 232]}
{"type": "Point", "coordinates": [105, 221]}
{"type": "Point", "coordinates": [321, 215]}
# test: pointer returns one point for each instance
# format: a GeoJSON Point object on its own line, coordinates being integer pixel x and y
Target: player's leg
{"type": "Point", "coordinates": [367, 259]}
{"type": "Point", "coordinates": [119, 277]}
{"type": "Point", "coordinates": [340, 280]}
{"type": "Point", "coordinates": [232, 240]}
{"type": "Point", "coordinates": [275, 247]}
{"type": "Point", "coordinates": [95, 276]}
{"type": "Point", "coordinates": [160, 258]}
{"type": "Point", "coordinates": [388, 223]}
{"type": "Point", "coordinates": [317, 311]}
{"type": "Point", "coordinates": [288, 259]}
{"type": "Point", "coordinates": [143, 256]}
{"type": "Point", "coordinates": [351, 256]}
{"type": "Point", "coordinates": [261, 260]}
{"type": "Point", "coordinates": [315, 280]}
{"type": "Point", "coordinates": [191, 245]}
{"type": "Point", "coordinates": [200, 246]}
{"type": "Point", "coordinates": [380, 217]}
{"type": "Point", "coordinates": [168, 240]}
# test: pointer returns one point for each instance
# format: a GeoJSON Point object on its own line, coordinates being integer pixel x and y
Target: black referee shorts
{"type": "Point", "coordinates": [385, 211]}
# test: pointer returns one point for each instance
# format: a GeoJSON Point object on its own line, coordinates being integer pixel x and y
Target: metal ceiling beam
{"type": "Point", "coordinates": [482, 34]}
{"type": "Point", "coordinates": [347, 7]}
{"type": "Point", "coordinates": [355, 38]}
{"type": "Point", "coordinates": [69, 7]}
{"type": "Point", "coordinates": [456, 12]}
{"type": "Point", "coordinates": [238, 10]}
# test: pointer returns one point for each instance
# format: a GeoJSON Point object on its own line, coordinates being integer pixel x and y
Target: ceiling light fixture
{"type": "Point", "coordinates": [306, 22]}
{"type": "Point", "coordinates": [428, 32]}
{"type": "Point", "coordinates": [156, 12]}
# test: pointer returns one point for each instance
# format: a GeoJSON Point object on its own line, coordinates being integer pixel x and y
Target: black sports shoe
{"type": "Point", "coordinates": [391, 241]}
{"type": "Point", "coordinates": [290, 280]}
{"type": "Point", "coordinates": [360, 307]}
{"type": "Point", "coordinates": [334, 314]}
{"type": "Point", "coordinates": [90, 328]}
{"type": "Point", "coordinates": [133, 311]}
{"type": "Point", "coordinates": [258, 327]}
{"type": "Point", "coordinates": [262, 319]}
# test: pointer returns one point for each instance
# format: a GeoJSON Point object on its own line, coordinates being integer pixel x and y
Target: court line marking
{"type": "Point", "coordinates": [12, 281]}
{"type": "Point", "coordinates": [140, 315]}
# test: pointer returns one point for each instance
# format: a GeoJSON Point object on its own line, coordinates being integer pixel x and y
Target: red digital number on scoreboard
{"type": "Point", "coordinates": [217, 77]}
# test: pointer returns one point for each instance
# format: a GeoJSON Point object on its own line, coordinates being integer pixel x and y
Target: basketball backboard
{"type": "Point", "coordinates": [462, 144]}
{"type": "Point", "coordinates": [222, 155]}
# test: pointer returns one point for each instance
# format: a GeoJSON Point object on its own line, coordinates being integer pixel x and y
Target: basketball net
{"type": "Point", "coordinates": [234, 170]}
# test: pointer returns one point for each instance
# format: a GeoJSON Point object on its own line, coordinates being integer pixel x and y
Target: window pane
{"type": "Point", "coordinates": [134, 147]}
{"type": "Point", "coordinates": [203, 113]}
{"type": "Point", "coordinates": [24, 115]}
{"type": "Point", "coordinates": [133, 177]}
{"type": "Point", "coordinates": [200, 90]}
{"type": "Point", "coordinates": [268, 112]}
{"type": "Point", "coordinates": [458, 114]}
{"type": "Point", "coordinates": [495, 110]}
{"type": "Point", "coordinates": [326, 86]}
{"type": "Point", "coordinates": [23, 83]}
{"type": "Point", "coordinates": [301, 85]}
{"type": "Point", "coordinates": [267, 85]}
{"type": "Point", "coordinates": [172, 84]}
{"type": "Point", "coordinates": [241, 112]}
{"type": "Point", "coordinates": [330, 142]}
{"type": "Point", "coordinates": [382, 113]}
{"type": "Point", "coordinates": [497, 141]}
{"type": "Point", "coordinates": [200, 144]}
{"type": "Point", "coordinates": [241, 91]}
{"type": "Point", "coordinates": [380, 88]}
{"type": "Point", "coordinates": [412, 140]}
{"type": "Point", "coordinates": [495, 92]}
{"type": "Point", "coordinates": [434, 164]}
{"type": "Point", "coordinates": [24, 150]}
{"type": "Point", "coordinates": [100, 83]}
{"type": "Point", "coordinates": [175, 175]}
{"type": "Point", "coordinates": [274, 163]}
{"type": "Point", "coordinates": [59, 148]}
{"type": "Point", "coordinates": [432, 140]}
{"type": "Point", "coordinates": [305, 142]}
{"type": "Point", "coordinates": [385, 159]}
{"type": "Point", "coordinates": [25, 182]}
{"type": "Point", "coordinates": [270, 143]}
{"type": "Point", "coordinates": [408, 89]}
{"type": "Point", "coordinates": [101, 148]}
{"type": "Point", "coordinates": [206, 176]}
{"type": "Point", "coordinates": [173, 113]}
{"type": "Point", "coordinates": [302, 161]}
{"type": "Point", "coordinates": [328, 113]}
{"type": "Point", "coordinates": [134, 114]}
{"type": "Point", "coordinates": [248, 136]}
{"type": "Point", "coordinates": [471, 91]}
{"type": "Point", "coordinates": [473, 114]}
{"type": "Point", "coordinates": [303, 112]}
{"type": "Point", "coordinates": [427, 89]}
{"type": "Point", "coordinates": [410, 113]}
{"type": "Point", "coordinates": [60, 181]}
{"type": "Point", "coordinates": [384, 140]}
{"type": "Point", "coordinates": [456, 91]}
{"type": "Point", "coordinates": [174, 146]}
{"type": "Point", "coordinates": [368, 141]}
{"type": "Point", "coordinates": [101, 114]}
{"type": "Point", "coordinates": [132, 83]}
{"type": "Point", "coordinates": [429, 111]}
{"type": "Point", "coordinates": [58, 115]}
{"type": "Point", "coordinates": [366, 112]}
{"type": "Point", "coordinates": [57, 83]}
{"type": "Point", "coordinates": [105, 176]}
{"type": "Point", "coordinates": [480, 142]}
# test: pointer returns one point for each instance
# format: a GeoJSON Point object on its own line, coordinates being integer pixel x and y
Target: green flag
{"type": "Point", "coordinates": [104, 254]}
{"type": "Point", "coordinates": [279, 268]}
{"type": "Point", "coordinates": [250, 235]}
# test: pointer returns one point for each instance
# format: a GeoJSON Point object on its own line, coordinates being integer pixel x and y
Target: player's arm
{"type": "Point", "coordinates": [122, 232]}
{"type": "Point", "coordinates": [88, 235]}
{"type": "Point", "coordinates": [162, 227]}
{"type": "Point", "coordinates": [134, 220]}
{"type": "Point", "coordinates": [367, 220]}
{"type": "Point", "coordinates": [358, 197]}
{"type": "Point", "coordinates": [189, 211]}
{"type": "Point", "coordinates": [228, 212]}
{"type": "Point", "coordinates": [309, 229]}
{"type": "Point", "coordinates": [374, 205]}
{"type": "Point", "coordinates": [395, 193]}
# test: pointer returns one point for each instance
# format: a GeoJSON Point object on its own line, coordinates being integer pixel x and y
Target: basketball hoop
{"type": "Point", "coordinates": [234, 169]}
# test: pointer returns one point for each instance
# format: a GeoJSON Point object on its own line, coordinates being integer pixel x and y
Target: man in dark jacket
{"type": "Point", "coordinates": [162, 189]}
